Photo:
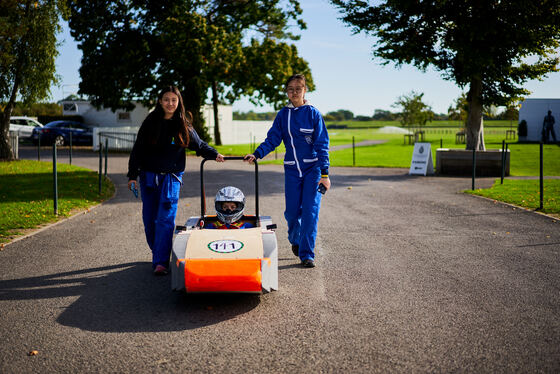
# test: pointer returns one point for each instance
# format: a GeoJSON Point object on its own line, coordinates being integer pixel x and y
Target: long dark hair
{"type": "Point", "coordinates": [182, 117]}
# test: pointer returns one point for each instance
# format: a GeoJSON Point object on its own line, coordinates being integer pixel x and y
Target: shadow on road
{"type": "Point", "coordinates": [127, 298]}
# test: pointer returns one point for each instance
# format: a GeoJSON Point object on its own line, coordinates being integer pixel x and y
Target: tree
{"type": "Point", "coordinates": [510, 113]}
{"type": "Point", "coordinates": [27, 57]}
{"type": "Point", "coordinates": [228, 47]}
{"type": "Point", "coordinates": [383, 115]}
{"type": "Point", "coordinates": [37, 109]}
{"type": "Point", "coordinates": [340, 115]}
{"type": "Point", "coordinates": [460, 111]}
{"type": "Point", "coordinates": [413, 110]}
{"type": "Point", "coordinates": [491, 46]}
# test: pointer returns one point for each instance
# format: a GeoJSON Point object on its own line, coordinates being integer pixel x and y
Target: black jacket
{"type": "Point", "coordinates": [156, 148]}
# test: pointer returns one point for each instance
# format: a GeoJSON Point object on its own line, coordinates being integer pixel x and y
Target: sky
{"type": "Point", "coordinates": [345, 75]}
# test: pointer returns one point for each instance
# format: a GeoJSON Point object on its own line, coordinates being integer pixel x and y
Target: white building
{"type": "Point", "coordinates": [105, 117]}
{"type": "Point", "coordinates": [234, 132]}
{"type": "Point", "coordinates": [533, 111]}
{"type": "Point", "coordinates": [116, 125]}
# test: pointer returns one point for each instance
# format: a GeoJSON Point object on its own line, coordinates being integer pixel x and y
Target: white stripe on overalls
{"type": "Point", "coordinates": [292, 141]}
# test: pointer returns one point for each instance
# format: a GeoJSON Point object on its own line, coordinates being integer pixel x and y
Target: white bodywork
{"type": "Point", "coordinates": [194, 243]}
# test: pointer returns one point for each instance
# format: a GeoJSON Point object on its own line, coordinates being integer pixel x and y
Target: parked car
{"type": "Point", "coordinates": [24, 126]}
{"type": "Point", "coordinates": [59, 133]}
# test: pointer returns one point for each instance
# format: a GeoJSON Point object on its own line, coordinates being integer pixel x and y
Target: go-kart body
{"type": "Point", "coordinates": [235, 260]}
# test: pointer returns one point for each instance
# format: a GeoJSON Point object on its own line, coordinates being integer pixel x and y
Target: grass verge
{"type": "Point", "coordinates": [525, 193]}
{"type": "Point", "coordinates": [26, 194]}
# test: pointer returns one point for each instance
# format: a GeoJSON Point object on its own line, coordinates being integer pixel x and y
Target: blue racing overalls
{"type": "Point", "coordinates": [160, 162]}
{"type": "Point", "coordinates": [305, 137]}
{"type": "Point", "coordinates": [160, 195]}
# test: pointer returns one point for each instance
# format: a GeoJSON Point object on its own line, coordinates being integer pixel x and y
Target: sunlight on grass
{"type": "Point", "coordinates": [525, 193]}
{"type": "Point", "coordinates": [394, 153]}
{"type": "Point", "coordinates": [27, 198]}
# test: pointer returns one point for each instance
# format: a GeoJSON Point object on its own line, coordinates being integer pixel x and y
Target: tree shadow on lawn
{"type": "Point", "coordinates": [127, 298]}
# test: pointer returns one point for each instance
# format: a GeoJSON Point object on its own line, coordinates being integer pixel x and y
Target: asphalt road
{"type": "Point", "coordinates": [412, 276]}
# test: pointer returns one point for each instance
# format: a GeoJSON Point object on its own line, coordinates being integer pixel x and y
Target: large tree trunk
{"type": "Point", "coordinates": [193, 103]}
{"type": "Point", "coordinates": [217, 137]}
{"type": "Point", "coordinates": [475, 129]}
{"type": "Point", "coordinates": [6, 151]}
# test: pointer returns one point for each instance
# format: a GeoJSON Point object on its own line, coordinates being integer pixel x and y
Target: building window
{"type": "Point", "coordinates": [123, 116]}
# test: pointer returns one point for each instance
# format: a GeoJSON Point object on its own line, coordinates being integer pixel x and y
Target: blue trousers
{"type": "Point", "coordinates": [302, 209]}
{"type": "Point", "coordinates": [160, 195]}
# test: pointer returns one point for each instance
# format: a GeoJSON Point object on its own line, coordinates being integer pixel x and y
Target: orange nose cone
{"type": "Point", "coordinates": [227, 275]}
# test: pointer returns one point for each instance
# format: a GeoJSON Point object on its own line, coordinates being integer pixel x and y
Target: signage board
{"type": "Point", "coordinates": [422, 161]}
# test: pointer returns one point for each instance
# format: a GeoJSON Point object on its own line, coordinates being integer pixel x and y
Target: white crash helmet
{"type": "Point", "coordinates": [234, 194]}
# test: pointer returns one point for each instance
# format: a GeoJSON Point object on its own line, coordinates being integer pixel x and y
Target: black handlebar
{"type": "Point", "coordinates": [202, 190]}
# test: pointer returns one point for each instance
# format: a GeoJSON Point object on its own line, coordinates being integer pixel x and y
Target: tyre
{"type": "Point", "coordinates": [59, 140]}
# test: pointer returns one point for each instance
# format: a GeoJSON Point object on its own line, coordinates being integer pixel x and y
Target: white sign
{"type": "Point", "coordinates": [422, 162]}
{"type": "Point", "coordinates": [225, 246]}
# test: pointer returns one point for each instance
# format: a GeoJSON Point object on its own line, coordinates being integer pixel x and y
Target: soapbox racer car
{"type": "Point", "coordinates": [236, 260]}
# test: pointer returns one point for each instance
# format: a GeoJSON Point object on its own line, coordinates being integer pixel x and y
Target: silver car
{"type": "Point", "coordinates": [24, 126]}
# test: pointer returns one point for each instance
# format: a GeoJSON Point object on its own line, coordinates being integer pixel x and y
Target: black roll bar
{"type": "Point", "coordinates": [202, 190]}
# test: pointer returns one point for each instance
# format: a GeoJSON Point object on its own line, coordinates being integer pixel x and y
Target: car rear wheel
{"type": "Point", "coordinates": [59, 140]}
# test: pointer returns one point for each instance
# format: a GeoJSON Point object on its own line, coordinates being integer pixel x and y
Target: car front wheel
{"type": "Point", "coordinates": [59, 140]}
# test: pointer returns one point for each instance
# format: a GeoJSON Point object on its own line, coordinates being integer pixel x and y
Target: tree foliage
{"type": "Point", "coordinates": [37, 109]}
{"type": "Point", "coordinates": [492, 46]}
{"type": "Point", "coordinates": [252, 116]}
{"type": "Point", "coordinates": [414, 112]}
{"type": "Point", "coordinates": [460, 110]}
{"type": "Point", "coordinates": [27, 56]}
{"type": "Point", "coordinates": [383, 115]}
{"type": "Point", "coordinates": [228, 47]}
{"type": "Point", "coordinates": [339, 115]}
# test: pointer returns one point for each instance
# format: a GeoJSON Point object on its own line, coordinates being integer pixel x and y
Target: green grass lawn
{"type": "Point", "coordinates": [525, 193]}
{"type": "Point", "coordinates": [26, 194]}
{"type": "Point", "coordinates": [394, 153]}
{"type": "Point", "coordinates": [455, 124]}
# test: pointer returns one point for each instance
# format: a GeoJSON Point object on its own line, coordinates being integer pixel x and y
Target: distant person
{"type": "Point", "coordinates": [548, 127]}
{"type": "Point", "coordinates": [230, 204]}
{"type": "Point", "coordinates": [302, 129]}
{"type": "Point", "coordinates": [158, 157]}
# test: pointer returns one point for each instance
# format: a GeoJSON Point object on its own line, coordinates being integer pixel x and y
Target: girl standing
{"type": "Point", "coordinates": [158, 157]}
{"type": "Point", "coordinates": [306, 165]}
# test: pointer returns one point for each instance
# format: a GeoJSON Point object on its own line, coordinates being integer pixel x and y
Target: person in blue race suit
{"type": "Point", "coordinates": [158, 157]}
{"type": "Point", "coordinates": [306, 166]}
{"type": "Point", "coordinates": [229, 204]}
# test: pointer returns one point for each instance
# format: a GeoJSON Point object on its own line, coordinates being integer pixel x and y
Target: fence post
{"type": "Point", "coordinates": [353, 152]}
{"type": "Point", "coordinates": [541, 177]}
{"type": "Point", "coordinates": [505, 158]}
{"type": "Point", "coordinates": [473, 167]}
{"type": "Point", "coordinates": [100, 164]}
{"type": "Point", "coordinates": [55, 181]}
{"type": "Point", "coordinates": [106, 154]}
{"type": "Point", "coordinates": [39, 147]}
{"type": "Point", "coordinates": [70, 148]}
{"type": "Point", "coordinates": [503, 161]}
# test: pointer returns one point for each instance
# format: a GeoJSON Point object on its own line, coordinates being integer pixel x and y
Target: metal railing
{"type": "Point", "coordinates": [115, 141]}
